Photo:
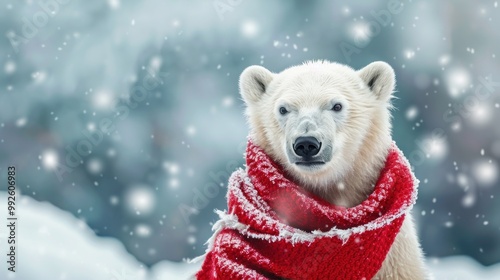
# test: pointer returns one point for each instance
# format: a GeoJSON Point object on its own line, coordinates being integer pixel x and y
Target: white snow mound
{"type": "Point", "coordinates": [53, 244]}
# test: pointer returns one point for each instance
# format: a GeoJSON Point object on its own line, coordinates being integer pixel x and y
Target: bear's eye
{"type": "Point", "coordinates": [337, 107]}
{"type": "Point", "coordinates": [283, 110]}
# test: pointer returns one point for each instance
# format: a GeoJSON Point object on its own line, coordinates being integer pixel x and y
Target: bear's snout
{"type": "Point", "coordinates": [307, 146]}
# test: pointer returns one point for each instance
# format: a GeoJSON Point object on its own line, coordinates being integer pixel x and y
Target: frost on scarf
{"type": "Point", "coordinates": [273, 229]}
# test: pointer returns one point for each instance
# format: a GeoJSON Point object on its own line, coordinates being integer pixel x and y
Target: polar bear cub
{"type": "Point", "coordinates": [329, 126]}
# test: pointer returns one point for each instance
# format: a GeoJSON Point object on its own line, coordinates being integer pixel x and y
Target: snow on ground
{"type": "Point", "coordinates": [461, 268]}
{"type": "Point", "coordinates": [53, 244]}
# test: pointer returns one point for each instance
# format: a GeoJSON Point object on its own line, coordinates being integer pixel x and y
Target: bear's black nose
{"type": "Point", "coordinates": [306, 146]}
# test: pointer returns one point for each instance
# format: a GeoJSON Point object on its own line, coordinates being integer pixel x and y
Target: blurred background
{"type": "Point", "coordinates": [127, 113]}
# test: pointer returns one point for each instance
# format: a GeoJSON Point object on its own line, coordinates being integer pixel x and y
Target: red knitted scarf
{"type": "Point", "coordinates": [274, 229]}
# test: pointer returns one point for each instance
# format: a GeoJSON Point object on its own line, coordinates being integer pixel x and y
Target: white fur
{"type": "Point", "coordinates": [359, 136]}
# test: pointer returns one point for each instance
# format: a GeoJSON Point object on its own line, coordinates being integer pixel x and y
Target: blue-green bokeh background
{"type": "Point", "coordinates": [162, 77]}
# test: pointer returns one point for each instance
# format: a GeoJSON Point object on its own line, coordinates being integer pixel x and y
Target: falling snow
{"type": "Point", "coordinates": [10, 67]}
{"type": "Point", "coordinates": [249, 28]}
{"type": "Point", "coordinates": [140, 200]}
{"type": "Point", "coordinates": [411, 113]}
{"type": "Point", "coordinates": [49, 159]}
{"type": "Point", "coordinates": [69, 80]}
{"type": "Point", "coordinates": [457, 80]}
{"type": "Point", "coordinates": [485, 172]}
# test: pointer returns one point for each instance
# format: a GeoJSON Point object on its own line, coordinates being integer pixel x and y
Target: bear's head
{"type": "Point", "coordinates": [325, 123]}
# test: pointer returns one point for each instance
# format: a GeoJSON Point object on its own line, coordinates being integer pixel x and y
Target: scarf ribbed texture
{"type": "Point", "coordinates": [273, 229]}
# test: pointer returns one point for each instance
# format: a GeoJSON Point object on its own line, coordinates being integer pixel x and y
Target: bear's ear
{"type": "Point", "coordinates": [254, 82]}
{"type": "Point", "coordinates": [380, 79]}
